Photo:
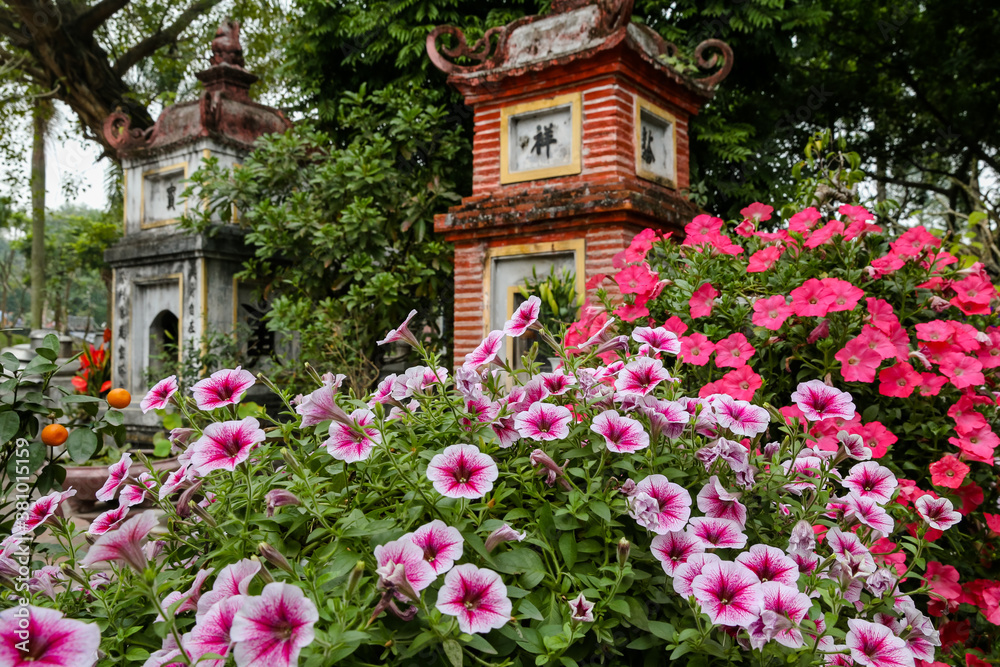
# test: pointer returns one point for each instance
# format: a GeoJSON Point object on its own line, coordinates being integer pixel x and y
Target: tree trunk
{"type": "Point", "coordinates": [40, 116]}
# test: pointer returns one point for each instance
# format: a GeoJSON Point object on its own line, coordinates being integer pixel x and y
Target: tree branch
{"type": "Point", "coordinates": [913, 184]}
{"type": "Point", "coordinates": [169, 35]}
{"type": "Point", "coordinates": [95, 16]}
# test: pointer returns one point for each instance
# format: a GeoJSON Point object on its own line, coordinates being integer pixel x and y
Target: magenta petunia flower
{"type": "Point", "coordinates": [658, 339]}
{"type": "Point", "coordinates": [354, 442]}
{"type": "Point", "coordinates": [221, 388]}
{"type": "Point", "coordinates": [188, 599]}
{"type": "Point", "coordinates": [401, 333]}
{"type": "Point", "coordinates": [47, 639]}
{"type": "Point", "coordinates": [462, 471]}
{"type": "Point", "coordinates": [871, 480]}
{"type": "Point", "coordinates": [158, 397]}
{"type": "Point", "coordinates": [939, 513]}
{"type": "Point", "coordinates": [869, 512]}
{"type": "Point", "coordinates": [41, 511]}
{"type": "Point", "coordinates": [673, 503]}
{"type": "Point", "coordinates": [320, 406]}
{"type": "Point", "coordinates": [729, 593]}
{"type": "Point", "coordinates": [770, 564]}
{"type": "Point", "coordinates": [270, 629]}
{"type": "Point", "coordinates": [558, 383]}
{"type": "Point", "coordinates": [718, 503]}
{"type": "Point", "coordinates": [134, 494]}
{"type": "Point", "coordinates": [417, 569]}
{"type": "Point", "coordinates": [442, 545]}
{"type": "Point", "coordinates": [786, 601]}
{"type": "Point", "coordinates": [717, 533]}
{"type": "Point", "coordinates": [117, 472]}
{"type": "Point", "coordinates": [124, 544]}
{"type": "Point", "coordinates": [640, 376]}
{"type": "Point", "coordinates": [211, 633]}
{"type": "Point", "coordinates": [673, 549]}
{"type": "Point", "coordinates": [874, 645]}
{"type": "Point", "coordinates": [108, 520]}
{"type": "Point", "coordinates": [233, 580]}
{"type": "Point", "coordinates": [524, 318]}
{"type": "Point", "coordinates": [622, 435]}
{"type": "Point", "coordinates": [686, 572]}
{"type": "Point", "coordinates": [740, 417]}
{"type": "Point", "coordinates": [818, 401]}
{"type": "Point", "coordinates": [224, 445]}
{"type": "Point", "coordinates": [580, 610]}
{"type": "Point", "coordinates": [544, 421]}
{"type": "Point", "coordinates": [174, 480]}
{"type": "Point", "coordinates": [485, 352]}
{"type": "Point", "coordinates": [847, 548]}
{"type": "Point", "coordinates": [476, 596]}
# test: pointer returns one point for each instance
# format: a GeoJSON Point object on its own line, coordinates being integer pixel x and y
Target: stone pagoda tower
{"type": "Point", "coordinates": [581, 141]}
{"type": "Point", "coordinates": [172, 286]}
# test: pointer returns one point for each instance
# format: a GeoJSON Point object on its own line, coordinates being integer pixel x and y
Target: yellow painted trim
{"type": "Point", "coordinates": [577, 246]}
{"type": "Point", "coordinates": [575, 100]}
{"type": "Point", "coordinates": [142, 196]}
{"type": "Point", "coordinates": [662, 114]}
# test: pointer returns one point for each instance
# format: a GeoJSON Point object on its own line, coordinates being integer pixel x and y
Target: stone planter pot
{"type": "Point", "coordinates": [88, 480]}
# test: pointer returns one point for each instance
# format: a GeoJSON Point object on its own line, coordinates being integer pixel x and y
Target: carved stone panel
{"type": "Point", "coordinates": [540, 139]}
{"type": "Point", "coordinates": [162, 201]}
{"type": "Point", "coordinates": [655, 144]}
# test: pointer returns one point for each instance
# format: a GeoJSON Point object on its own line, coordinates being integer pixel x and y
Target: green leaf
{"type": "Point", "coordinates": [528, 610]}
{"type": "Point", "coordinates": [51, 342]}
{"type": "Point", "coordinates": [661, 629]}
{"type": "Point", "coordinates": [9, 425]}
{"type": "Point", "coordinates": [519, 561]}
{"type": "Point", "coordinates": [49, 354]}
{"type": "Point", "coordinates": [81, 398]}
{"type": "Point", "coordinates": [114, 417]}
{"type": "Point", "coordinates": [567, 547]}
{"type": "Point", "coordinates": [81, 445]}
{"type": "Point", "coordinates": [39, 365]}
{"type": "Point", "coordinates": [137, 654]}
{"type": "Point", "coordinates": [453, 650]}
{"type": "Point", "coordinates": [621, 606]}
{"type": "Point", "coordinates": [601, 509]}
{"type": "Point", "coordinates": [479, 643]}
{"type": "Point", "coordinates": [9, 361]}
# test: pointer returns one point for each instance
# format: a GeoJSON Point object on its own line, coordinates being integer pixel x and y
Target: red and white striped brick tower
{"type": "Point", "coordinates": [581, 141]}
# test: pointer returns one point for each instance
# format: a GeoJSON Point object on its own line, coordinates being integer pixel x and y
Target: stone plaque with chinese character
{"type": "Point", "coordinates": [656, 157]}
{"type": "Point", "coordinates": [162, 201]}
{"type": "Point", "coordinates": [541, 141]}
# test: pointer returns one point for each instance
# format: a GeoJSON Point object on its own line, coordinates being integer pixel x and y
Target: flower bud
{"type": "Point", "coordinates": [202, 513]}
{"type": "Point", "coordinates": [275, 557]}
{"type": "Point", "coordinates": [503, 534]}
{"type": "Point", "coordinates": [291, 462]}
{"type": "Point", "coordinates": [264, 575]}
{"type": "Point", "coordinates": [74, 575]}
{"type": "Point", "coordinates": [184, 502]}
{"type": "Point", "coordinates": [354, 578]}
{"type": "Point", "coordinates": [279, 498]}
{"type": "Point", "coordinates": [624, 547]}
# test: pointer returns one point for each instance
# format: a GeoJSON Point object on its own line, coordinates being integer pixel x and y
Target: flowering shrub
{"type": "Point", "coordinates": [600, 514]}
{"type": "Point", "coordinates": [904, 324]}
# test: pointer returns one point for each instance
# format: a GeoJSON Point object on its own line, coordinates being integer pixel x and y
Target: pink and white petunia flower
{"type": "Point", "coordinates": [939, 513]}
{"type": "Point", "coordinates": [117, 472]}
{"type": "Point", "coordinates": [134, 494]}
{"type": "Point", "coordinates": [47, 639]}
{"type": "Point", "coordinates": [224, 445]}
{"type": "Point", "coordinates": [233, 580]}
{"type": "Point", "coordinates": [658, 339]}
{"type": "Point", "coordinates": [558, 383]}
{"type": "Point", "coordinates": [221, 388]}
{"type": "Point", "coordinates": [673, 503]}
{"type": "Point", "coordinates": [124, 545]}
{"type": "Point", "coordinates": [688, 571]}
{"type": "Point", "coordinates": [740, 417]}
{"type": "Point", "coordinates": [869, 512]}
{"type": "Point", "coordinates": [320, 405]}
{"type": "Point", "coordinates": [477, 597]}
{"type": "Point", "coordinates": [874, 645]}
{"type": "Point", "coordinates": [787, 602]}
{"type": "Point", "coordinates": [717, 533]}
{"type": "Point", "coordinates": [819, 401]}
{"type": "Point", "coordinates": [442, 545]}
{"type": "Point", "coordinates": [486, 352]}
{"type": "Point", "coordinates": [718, 503]}
{"type": "Point", "coordinates": [211, 633]}
{"type": "Point", "coordinates": [355, 441]}
{"type": "Point", "coordinates": [462, 471]}
{"type": "Point", "coordinates": [158, 397]}
{"type": "Point", "coordinates": [401, 333]}
{"type": "Point", "coordinates": [581, 611]}
{"type": "Point", "coordinates": [544, 421]}
{"type": "Point", "coordinates": [729, 593]}
{"type": "Point", "coordinates": [673, 549]}
{"type": "Point", "coordinates": [871, 480]}
{"type": "Point", "coordinates": [770, 564]}
{"type": "Point", "coordinates": [622, 435]}
{"type": "Point", "coordinates": [847, 547]}
{"type": "Point", "coordinates": [417, 569]}
{"type": "Point", "coordinates": [174, 480]}
{"type": "Point", "coordinates": [640, 376]}
{"type": "Point", "coordinates": [40, 511]}
{"type": "Point", "coordinates": [188, 599]}
{"type": "Point", "coordinates": [108, 520]}
{"type": "Point", "coordinates": [270, 629]}
{"type": "Point", "coordinates": [524, 318]}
